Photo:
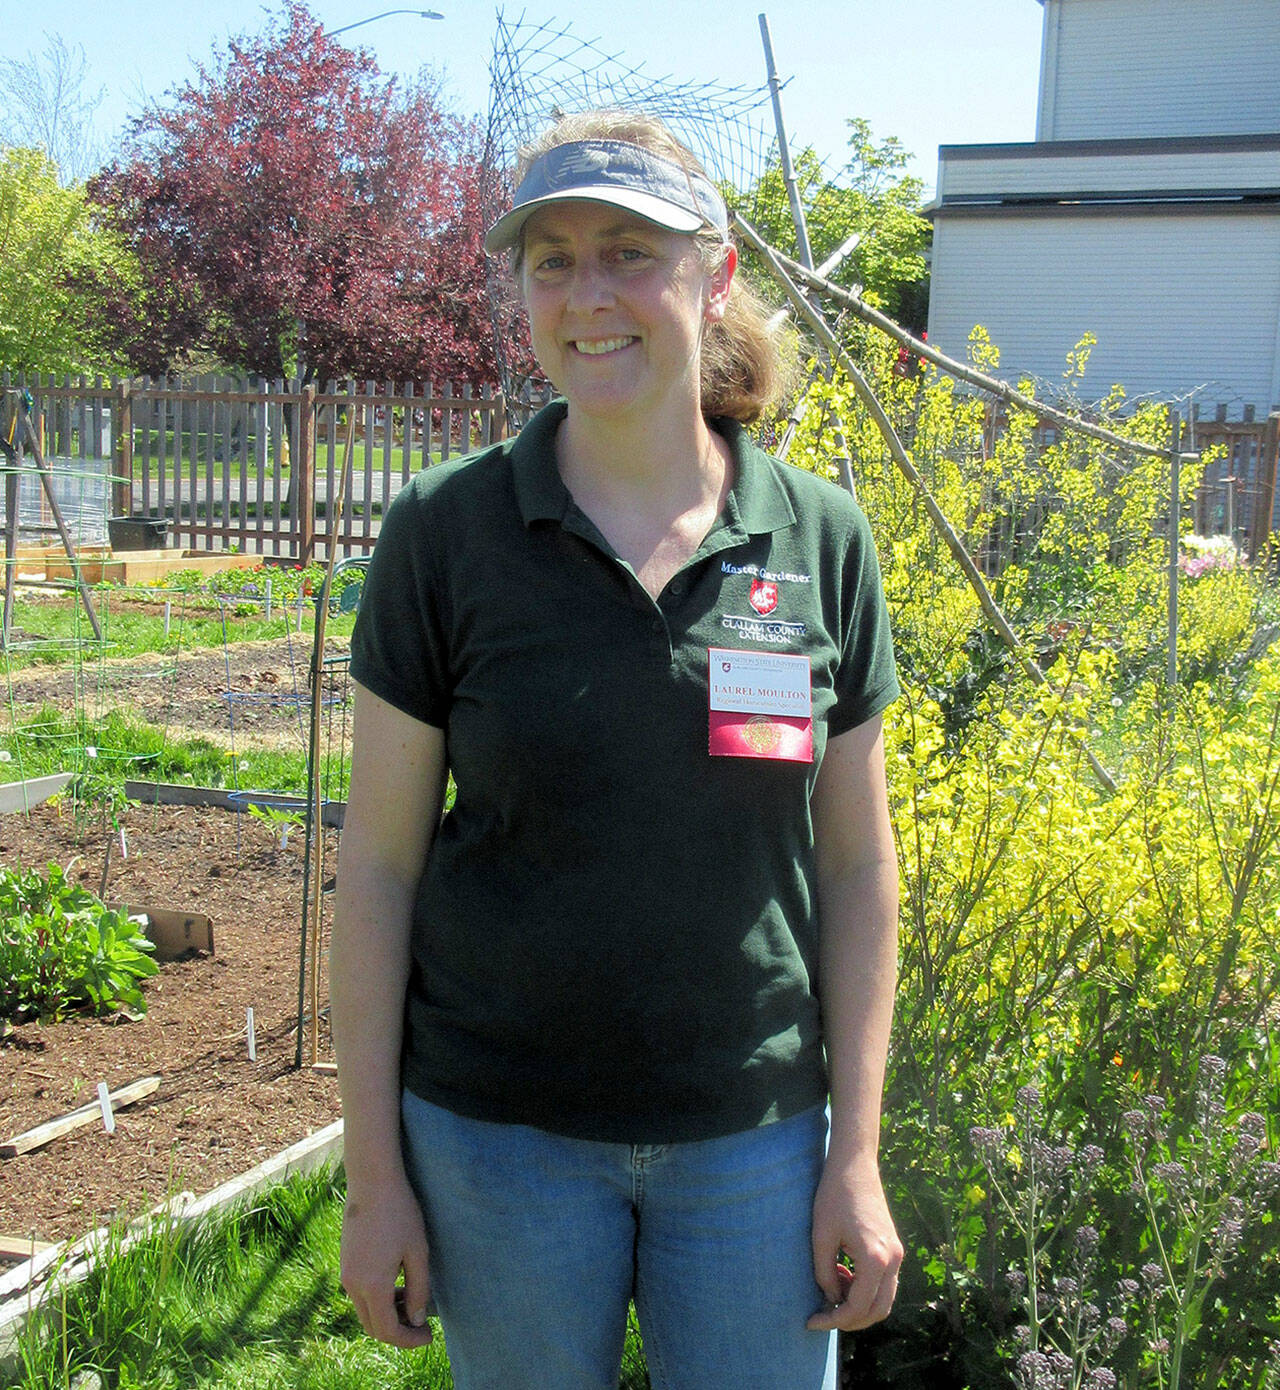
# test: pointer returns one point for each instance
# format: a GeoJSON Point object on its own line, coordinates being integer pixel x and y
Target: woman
{"type": "Point", "coordinates": [656, 931]}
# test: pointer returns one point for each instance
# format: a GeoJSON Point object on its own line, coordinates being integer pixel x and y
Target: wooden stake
{"type": "Point", "coordinates": [43, 1134]}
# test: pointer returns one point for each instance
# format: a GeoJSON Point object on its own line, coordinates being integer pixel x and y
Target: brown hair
{"type": "Point", "coordinates": [747, 366]}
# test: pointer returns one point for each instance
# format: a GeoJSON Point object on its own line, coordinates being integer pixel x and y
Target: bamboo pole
{"type": "Point", "coordinates": [317, 682]}
{"type": "Point", "coordinates": [1001, 389]}
{"type": "Point", "coordinates": [1175, 525]}
{"type": "Point", "coordinates": [68, 545]}
{"type": "Point", "coordinates": [907, 467]}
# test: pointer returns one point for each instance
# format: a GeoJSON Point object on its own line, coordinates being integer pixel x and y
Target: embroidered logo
{"type": "Point", "coordinates": [763, 597]}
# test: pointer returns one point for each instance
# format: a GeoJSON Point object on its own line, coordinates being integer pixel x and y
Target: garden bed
{"type": "Point", "coordinates": [216, 1113]}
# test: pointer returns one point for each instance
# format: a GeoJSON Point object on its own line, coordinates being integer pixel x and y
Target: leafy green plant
{"type": "Point", "coordinates": [281, 819]}
{"type": "Point", "coordinates": [1200, 1190]}
{"type": "Point", "coordinates": [62, 949]}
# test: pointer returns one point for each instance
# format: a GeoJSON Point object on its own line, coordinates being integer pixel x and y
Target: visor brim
{"type": "Point", "coordinates": [505, 232]}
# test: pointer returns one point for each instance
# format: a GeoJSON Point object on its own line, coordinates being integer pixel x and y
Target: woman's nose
{"type": "Point", "coordinates": [589, 287]}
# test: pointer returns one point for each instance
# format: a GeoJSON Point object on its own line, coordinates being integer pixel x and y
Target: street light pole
{"type": "Point", "coordinates": [422, 14]}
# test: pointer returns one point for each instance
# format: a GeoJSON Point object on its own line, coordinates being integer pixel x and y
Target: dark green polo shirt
{"type": "Point", "coordinates": [615, 936]}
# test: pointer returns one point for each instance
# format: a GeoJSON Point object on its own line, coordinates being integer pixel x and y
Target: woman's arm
{"type": "Point", "coordinates": [393, 808]}
{"type": "Point", "coordinates": [857, 974]}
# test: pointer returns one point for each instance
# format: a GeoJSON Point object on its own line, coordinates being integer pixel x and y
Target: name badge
{"type": "Point", "coordinates": [761, 705]}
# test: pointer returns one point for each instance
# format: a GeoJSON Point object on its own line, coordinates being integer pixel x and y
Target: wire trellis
{"type": "Point", "coordinates": [540, 71]}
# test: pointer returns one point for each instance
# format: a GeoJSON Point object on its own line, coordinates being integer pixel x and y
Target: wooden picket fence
{"type": "Point", "coordinates": [255, 467]}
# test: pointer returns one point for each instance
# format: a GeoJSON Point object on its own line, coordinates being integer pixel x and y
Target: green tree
{"type": "Point", "coordinates": [871, 196]}
{"type": "Point", "coordinates": [49, 243]}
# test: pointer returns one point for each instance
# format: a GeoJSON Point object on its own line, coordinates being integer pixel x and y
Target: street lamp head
{"type": "Point", "coordinates": [422, 14]}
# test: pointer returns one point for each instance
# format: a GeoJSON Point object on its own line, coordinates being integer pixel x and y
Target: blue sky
{"type": "Point", "coordinates": [928, 71]}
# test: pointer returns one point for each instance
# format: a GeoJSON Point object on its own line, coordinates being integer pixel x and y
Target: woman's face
{"type": "Point", "coordinates": [617, 308]}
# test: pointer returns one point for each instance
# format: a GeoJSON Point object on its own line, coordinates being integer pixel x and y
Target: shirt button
{"type": "Point", "coordinates": [677, 587]}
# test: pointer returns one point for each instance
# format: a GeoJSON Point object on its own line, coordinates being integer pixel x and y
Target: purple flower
{"type": "Point", "coordinates": [1268, 1176]}
{"type": "Point", "coordinates": [1137, 1123]}
{"type": "Point", "coordinates": [1038, 1371]}
{"type": "Point", "coordinates": [1153, 1278]}
{"type": "Point", "coordinates": [1029, 1098]}
{"type": "Point", "coordinates": [1051, 1161]}
{"type": "Point", "coordinates": [1174, 1177]}
{"type": "Point", "coordinates": [1033, 1371]}
{"type": "Point", "coordinates": [1100, 1379]}
{"type": "Point", "coordinates": [1209, 1084]}
{"type": "Point", "coordinates": [1227, 1235]}
{"type": "Point", "coordinates": [1247, 1147]}
{"type": "Point", "coordinates": [1090, 1160]}
{"type": "Point", "coordinates": [988, 1143]}
{"type": "Point", "coordinates": [1113, 1334]}
{"type": "Point", "coordinates": [1084, 1247]}
{"type": "Point", "coordinates": [1230, 1229]}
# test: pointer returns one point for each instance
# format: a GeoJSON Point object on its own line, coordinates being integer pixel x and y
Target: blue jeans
{"type": "Point", "coordinates": [538, 1242]}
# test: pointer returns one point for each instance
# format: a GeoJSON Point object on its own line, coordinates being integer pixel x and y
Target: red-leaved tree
{"type": "Point", "coordinates": [291, 206]}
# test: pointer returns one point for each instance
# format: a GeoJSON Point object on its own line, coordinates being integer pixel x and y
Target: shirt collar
{"type": "Point", "coordinates": [757, 501]}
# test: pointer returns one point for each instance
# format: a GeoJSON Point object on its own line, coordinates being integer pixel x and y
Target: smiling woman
{"type": "Point", "coordinates": [617, 309]}
{"type": "Point", "coordinates": [645, 962]}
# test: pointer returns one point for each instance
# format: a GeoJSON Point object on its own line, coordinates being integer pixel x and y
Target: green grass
{"type": "Point", "coordinates": [362, 456]}
{"type": "Point", "coordinates": [51, 741]}
{"type": "Point", "coordinates": [250, 1301]}
{"type": "Point", "coordinates": [60, 631]}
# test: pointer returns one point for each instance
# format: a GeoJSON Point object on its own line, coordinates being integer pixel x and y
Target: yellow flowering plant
{"type": "Point", "coordinates": [1096, 941]}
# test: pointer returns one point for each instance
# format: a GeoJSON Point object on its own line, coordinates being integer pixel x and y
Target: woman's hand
{"type": "Point", "coordinates": [852, 1227]}
{"type": "Point", "coordinates": [381, 1235]}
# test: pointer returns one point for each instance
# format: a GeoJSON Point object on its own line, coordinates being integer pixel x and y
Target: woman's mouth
{"type": "Point", "coordinates": [598, 347]}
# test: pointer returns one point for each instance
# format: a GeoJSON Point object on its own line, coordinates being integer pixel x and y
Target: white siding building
{"type": "Point", "coordinates": [1146, 212]}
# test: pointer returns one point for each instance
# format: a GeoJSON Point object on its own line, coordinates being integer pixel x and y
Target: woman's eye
{"type": "Point", "coordinates": [551, 263]}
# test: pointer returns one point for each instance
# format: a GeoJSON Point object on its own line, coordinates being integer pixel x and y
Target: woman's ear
{"type": "Point", "coordinates": [719, 281]}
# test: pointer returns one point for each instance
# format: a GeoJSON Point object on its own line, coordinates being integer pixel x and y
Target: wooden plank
{"type": "Point", "coordinates": [75, 1261]}
{"type": "Point", "coordinates": [177, 794]}
{"type": "Point", "coordinates": [21, 1248]}
{"type": "Point", "coordinates": [1264, 505]}
{"type": "Point", "coordinates": [21, 796]}
{"type": "Point", "coordinates": [446, 423]}
{"type": "Point", "coordinates": [43, 1134]}
{"type": "Point", "coordinates": [388, 454]}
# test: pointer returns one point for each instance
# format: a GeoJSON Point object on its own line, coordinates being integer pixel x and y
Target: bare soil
{"type": "Point", "coordinates": [248, 693]}
{"type": "Point", "coordinates": [216, 1113]}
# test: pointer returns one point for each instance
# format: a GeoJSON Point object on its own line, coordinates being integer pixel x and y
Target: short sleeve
{"type": "Point", "coordinates": [866, 679]}
{"type": "Point", "coordinates": [399, 648]}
